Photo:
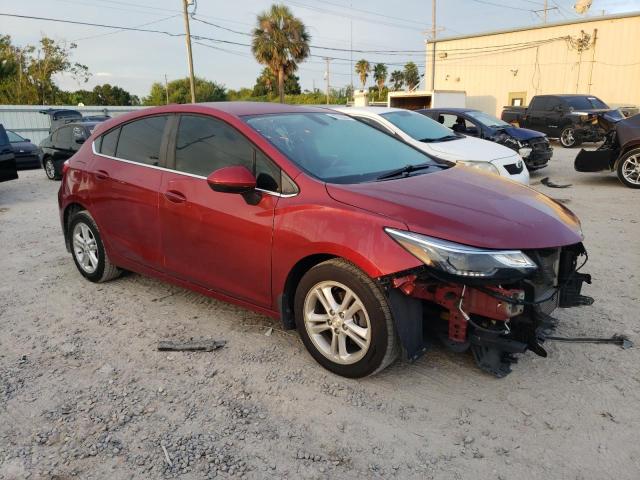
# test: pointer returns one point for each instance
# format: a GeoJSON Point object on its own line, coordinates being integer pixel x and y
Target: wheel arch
{"type": "Point", "coordinates": [287, 296]}
{"type": "Point", "coordinates": [69, 210]}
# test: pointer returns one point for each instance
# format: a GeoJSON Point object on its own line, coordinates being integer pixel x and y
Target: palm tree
{"type": "Point", "coordinates": [411, 75]}
{"type": "Point", "coordinates": [280, 41]}
{"type": "Point", "coordinates": [380, 76]}
{"type": "Point", "coordinates": [362, 69]}
{"type": "Point", "coordinates": [397, 77]}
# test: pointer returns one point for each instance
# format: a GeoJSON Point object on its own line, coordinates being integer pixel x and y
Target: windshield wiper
{"type": "Point", "coordinates": [406, 170]}
{"type": "Point", "coordinates": [439, 139]}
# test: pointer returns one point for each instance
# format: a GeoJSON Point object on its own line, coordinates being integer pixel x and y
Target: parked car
{"type": "Point", "coordinates": [8, 170]}
{"type": "Point", "coordinates": [572, 119]}
{"type": "Point", "coordinates": [532, 146]}
{"type": "Point", "coordinates": [440, 141]}
{"type": "Point", "coordinates": [360, 241]}
{"type": "Point", "coordinates": [63, 143]}
{"type": "Point", "coordinates": [620, 152]}
{"type": "Point", "coordinates": [61, 116]}
{"type": "Point", "coordinates": [26, 153]}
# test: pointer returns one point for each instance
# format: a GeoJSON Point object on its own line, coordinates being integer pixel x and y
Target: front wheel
{"type": "Point", "coordinates": [345, 320]}
{"type": "Point", "coordinates": [568, 138]}
{"type": "Point", "coordinates": [50, 169]}
{"type": "Point", "coordinates": [629, 169]}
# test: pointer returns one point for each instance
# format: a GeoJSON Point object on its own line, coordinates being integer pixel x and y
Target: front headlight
{"type": "Point", "coordinates": [485, 166]}
{"type": "Point", "coordinates": [524, 152]}
{"type": "Point", "coordinates": [463, 260]}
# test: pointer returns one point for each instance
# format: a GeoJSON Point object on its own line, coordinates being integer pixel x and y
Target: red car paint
{"type": "Point", "coordinates": [173, 226]}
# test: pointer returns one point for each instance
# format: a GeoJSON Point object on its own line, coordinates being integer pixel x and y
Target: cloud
{"type": "Point", "coordinates": [103, 74]}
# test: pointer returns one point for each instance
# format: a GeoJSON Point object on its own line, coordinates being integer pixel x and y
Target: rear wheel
{"type": "Point", "coordinates": [629, 169]}
{"type": "Point", "coordinates": [568, 138]}
{"type": "Point", "coordinates": [50, 169]}
{"type": "Point", "coordinates": [344, 320]}
{"type": "Point", "coordinates": [88, 250]}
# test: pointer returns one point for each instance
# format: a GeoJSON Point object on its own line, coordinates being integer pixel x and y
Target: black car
{"type": "Point", "coordinates": [532, 146]}
{"type": "Point", "coordinates": [8, 169]}
{"type": "Point", "coordinates": [61, 144]}
{"type": "Point", "coordinates": [572, 118]}
{"type": "Point", "coordinates": [26, 153]}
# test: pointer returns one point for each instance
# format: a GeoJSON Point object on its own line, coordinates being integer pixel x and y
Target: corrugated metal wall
{"type": "Point", "coordinates": [26, 120]}
{"type": "Point", "coordinates": [489, 67]}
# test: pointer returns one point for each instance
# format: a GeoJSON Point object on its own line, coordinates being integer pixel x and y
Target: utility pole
{"type": "Point", "coordinates": [192, 83]}
{"type": "Point", "coordinates": [433, 41]}
{"type": "Point", "coordinates": [326, 74]}
{"type": "Point", "coordinates": [166, 88]}
{"type": "Point", "coordinates": [546, 5]}
{"type": "Point", "coordinates": [351, 44]}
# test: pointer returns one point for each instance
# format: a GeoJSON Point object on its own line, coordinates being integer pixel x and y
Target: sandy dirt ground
{"type": "Point", "coordinates": [85, 394]}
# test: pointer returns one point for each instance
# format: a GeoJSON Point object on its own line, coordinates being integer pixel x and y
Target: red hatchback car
{"type": "Point", "coordinates": [364, 244]}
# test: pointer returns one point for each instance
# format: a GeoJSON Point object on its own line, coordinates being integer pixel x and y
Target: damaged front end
{"type": "Point", "coordinates": [499, 307]}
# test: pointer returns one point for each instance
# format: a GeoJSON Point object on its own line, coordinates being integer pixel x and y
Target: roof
{"type": "Point", "coordinates": [259, 108]}
{"type": "Point", "coordinates": [537, 27]}
{"type": "Point", "coordinates": [455, 109]}
{"type": "Point", "coordinates": [379, 110]}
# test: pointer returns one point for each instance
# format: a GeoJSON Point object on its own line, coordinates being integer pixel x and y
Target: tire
{"type": "Point", "coordinates": [568, 138]}
{"type": "Point", "coordinates": [368, 320]}
{"type": "Point", "coordinates": [88, 250]}
{"type": "Point", "coordinates": [628, 169]}
{"type": "Point", "coordinates": [50, 169]}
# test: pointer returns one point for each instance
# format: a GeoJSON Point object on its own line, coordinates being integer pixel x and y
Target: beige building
{"type": "Point", "coordinates": [598, 56]}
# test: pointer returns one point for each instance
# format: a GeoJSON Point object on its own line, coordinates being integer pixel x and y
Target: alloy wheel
{"type": "Point", "coordinates": [337, 322]}
{"type": "Point", "coordinates": [631, 169]}
{"type": "Point", "coordinates": [49, 168]}
{"type": "Point", "coordinates": [567, 137]}
{"type": "Point", "coordinates": [85, 247]}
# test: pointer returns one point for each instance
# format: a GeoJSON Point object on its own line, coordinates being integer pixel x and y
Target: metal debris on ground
{"type": "Point", "coordinates": [268, 332]}
{"type": "Point", "coordinates": [191, 345]}
{"type": "Point", "coordinates": [620, 340]}
{"type": "Point", "coordinates": [548, 183]}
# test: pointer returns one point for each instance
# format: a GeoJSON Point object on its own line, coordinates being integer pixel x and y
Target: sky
{"type": "Point", "coordinates": [134, 60]}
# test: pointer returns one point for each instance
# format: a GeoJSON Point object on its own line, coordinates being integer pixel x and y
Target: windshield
{"type": "Point", "coordinates": [336, 148]}
{"type": "Point", "coordinates": [14, 137]}
{"type": "Point", "coordinates": [488, 120]}
{"type": "Point", "coordinates": [585, 103]}
{"type": "Point", "coordinates": [418, 126]}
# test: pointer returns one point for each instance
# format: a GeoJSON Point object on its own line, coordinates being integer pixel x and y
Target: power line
{"type": "Point", "coordinates": [502, 5]}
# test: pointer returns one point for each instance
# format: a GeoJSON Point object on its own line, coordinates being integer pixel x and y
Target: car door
{"type": "Point", "coordinates": [220, 241]}
{"type": "Point", "coordinates": [8, 169]}
{"type": "Point", "coordinates": [126, 174]}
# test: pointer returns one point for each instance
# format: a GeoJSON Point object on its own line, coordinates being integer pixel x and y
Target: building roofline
{"type": "Point", "coordinates": [537, 27]}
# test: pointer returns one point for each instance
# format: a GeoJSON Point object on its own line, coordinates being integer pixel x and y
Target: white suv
{"type": "Point", "coordinates": [439, 141]}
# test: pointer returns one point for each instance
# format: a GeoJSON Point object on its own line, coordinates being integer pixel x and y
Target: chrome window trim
{"type": "Point", "coordinates": [268, 192]}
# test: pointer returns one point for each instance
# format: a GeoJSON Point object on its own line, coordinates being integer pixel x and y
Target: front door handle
{"type": "Point", "coordinates": [175, 196]}
{"type": "Point", "coordinates": [102, 174]}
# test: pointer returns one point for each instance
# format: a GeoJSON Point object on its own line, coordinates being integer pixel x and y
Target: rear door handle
{"type": "Point", "coordinates": [102, 175]}
{"type": "Point", "coordinates": [175, 196]}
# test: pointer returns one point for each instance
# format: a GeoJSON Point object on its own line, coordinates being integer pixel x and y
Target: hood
{"type": "Point", "coordinates": [463, 205]}
{"type": "Point", "coordinates": [520, 133]}
{"type": "Point", "coordinates": [468, 148]}
{"type": "Point", "coordinates": [23, 146]}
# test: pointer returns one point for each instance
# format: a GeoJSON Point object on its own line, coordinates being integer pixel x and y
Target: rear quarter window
{"type": "Point", "coordinates": [108, 142]}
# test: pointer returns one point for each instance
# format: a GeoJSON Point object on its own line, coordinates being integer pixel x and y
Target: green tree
{"type": "Point", "coordinates": [397, 78]}
{"type": "Point", "coordinates": [411, 75]}
{"type": "Point", "coordinates": [206, 91]}
{"type": "Point", "coordinates": [108, 94]}
{"type": "Point", "coordinates": [362, 69]}
{"type": "Point", "coordinates": [266, 84]}
{"type": "Point", "coordinates": [380, 76]}
{"type": "Point", "coordinates": [280, 41]}
{"type": "Point", "coordinates": [27, 73]}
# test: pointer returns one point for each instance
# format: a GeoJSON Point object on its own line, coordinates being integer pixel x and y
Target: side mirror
{"type": "Point", "coordinates": [236, 179]}
{"type": "Point", "coordinates": [27, 139]}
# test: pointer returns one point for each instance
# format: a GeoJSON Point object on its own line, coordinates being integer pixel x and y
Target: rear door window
{"type": "Point", "coordinates": [140, 140]}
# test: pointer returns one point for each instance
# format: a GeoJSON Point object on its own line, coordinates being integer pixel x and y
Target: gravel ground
{"type": "Point", "coordinates": [84, 393]}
